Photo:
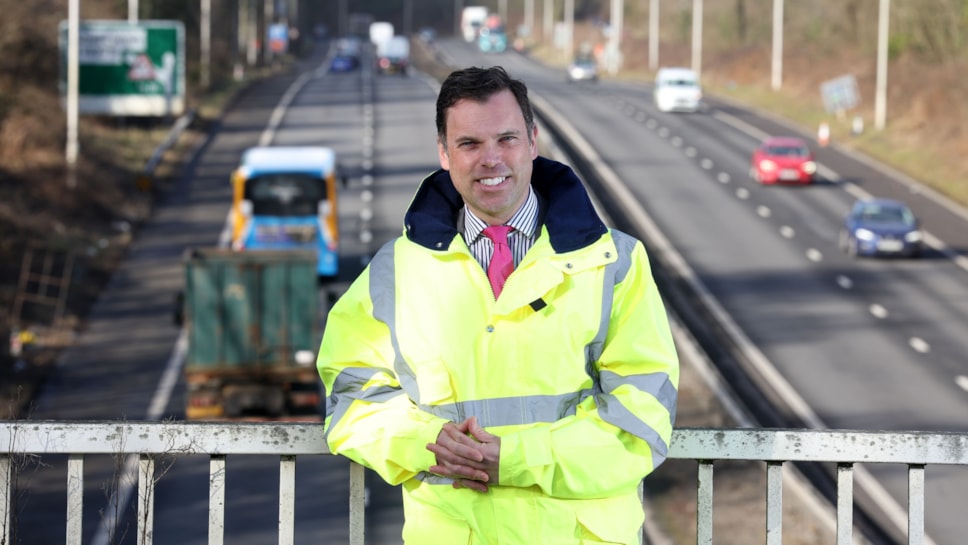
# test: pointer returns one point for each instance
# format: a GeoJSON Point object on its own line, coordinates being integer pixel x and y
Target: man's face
{"type": "Point", "coordinates": [489, 153]}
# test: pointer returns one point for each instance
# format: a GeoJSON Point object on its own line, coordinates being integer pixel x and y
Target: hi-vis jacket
{"type": "Point", "coordinates": [573, 367]}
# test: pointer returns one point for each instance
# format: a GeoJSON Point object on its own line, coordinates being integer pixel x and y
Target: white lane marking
{"type": "Point", "coordinates": [845, 282]}
{"type": "Point", "coordinates": [723, 178]}
{"type": "Point", "coordinates": [962, 382]}
{"type": "Point", "coordinates": [814, 255]}
{"type": "Point", "coordinates": [707, 164]}
{"type": "Point", "coordinates": [878, 311]}
{"type": "Point", "coordinates": [743, 193]}
{"type": "Point", "coordinates": [763, 211]}
{"type": "Point", "coordinates": [920, 345]}
{"type": "Point", "coordinates": [787, 231]}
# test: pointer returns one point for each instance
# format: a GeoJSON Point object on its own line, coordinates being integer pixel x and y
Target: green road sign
{"type": "Point", "coordinates": [125, 68]}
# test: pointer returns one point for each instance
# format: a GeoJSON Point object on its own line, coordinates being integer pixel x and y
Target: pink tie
{"type": "Point", "coordinates": [502, 262]}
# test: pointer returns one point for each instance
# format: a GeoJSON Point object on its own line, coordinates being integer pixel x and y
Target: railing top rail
{"type": "Point", "coordinates": [841, 446]}
{"type": "Point", "coordinates": [183, 438]}
{"type": "Point", "coordinates": [297, 438]}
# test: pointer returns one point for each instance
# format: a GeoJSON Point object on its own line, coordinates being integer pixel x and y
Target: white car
{"type": "Point", "coordinates": [677, 90]}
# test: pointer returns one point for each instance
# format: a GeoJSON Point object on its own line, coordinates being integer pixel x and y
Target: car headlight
{"type": "Point", "coordinates": [767, 165]}
{"type": "Point", "coordinates": [913, 236]}
{"type": "Point", "coordinates": [864, 234]}
{"type": "Point", "coordinates": [809, 167]}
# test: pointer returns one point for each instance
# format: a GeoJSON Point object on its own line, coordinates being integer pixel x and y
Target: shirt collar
{"type": "Point", "coordinates": [524, 220]}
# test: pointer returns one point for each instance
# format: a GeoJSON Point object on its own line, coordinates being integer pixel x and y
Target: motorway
{"type": "Point", "coordinates": [828, 341]}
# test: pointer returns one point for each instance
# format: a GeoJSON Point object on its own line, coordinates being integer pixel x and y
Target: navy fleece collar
{"type": "Point", "coordinates": [431, 220]}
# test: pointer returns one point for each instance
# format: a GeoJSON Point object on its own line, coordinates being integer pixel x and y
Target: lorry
{"type": "Point", "coordinates": [252, 321]}
{"type": "Point", "coordinates": [471, 21]}
{"type": "Point", "coordinates": [393, 56]}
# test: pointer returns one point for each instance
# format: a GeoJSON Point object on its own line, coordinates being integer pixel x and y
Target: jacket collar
{"type": "Point", "coordinates": [569, 216]}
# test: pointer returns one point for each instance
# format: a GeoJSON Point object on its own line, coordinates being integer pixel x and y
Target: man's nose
{"type": "Point", "coordinates": [490, 155]}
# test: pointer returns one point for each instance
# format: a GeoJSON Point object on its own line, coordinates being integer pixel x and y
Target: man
{"type": "Point", "coordinates": [526, 413]}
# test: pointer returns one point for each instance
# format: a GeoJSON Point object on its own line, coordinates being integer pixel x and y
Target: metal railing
{"type": "Point", "coordinates": [149, 440]}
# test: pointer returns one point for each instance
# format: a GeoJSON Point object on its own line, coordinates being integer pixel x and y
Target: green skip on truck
{"type": "Point", "coordinates": [253, 324]}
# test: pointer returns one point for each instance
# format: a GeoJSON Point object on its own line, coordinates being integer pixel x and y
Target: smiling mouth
{"type": "Point", "coordinates": [490, 182]}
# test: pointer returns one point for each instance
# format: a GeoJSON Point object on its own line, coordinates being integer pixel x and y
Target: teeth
{"type": "Point", "coordinates": [492, 181]}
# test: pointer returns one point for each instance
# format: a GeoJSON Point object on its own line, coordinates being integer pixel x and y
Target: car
{"type": "Point", "coordinates": [878, 226]}
{"type": "Point", "coordinates": [677, 90]}
{"type": "Point", "coordinates": [583, 68]}
{"type": "Point", "coordinates": [783, 159]}
{"type": "Point", "coordinates": [344, 63]}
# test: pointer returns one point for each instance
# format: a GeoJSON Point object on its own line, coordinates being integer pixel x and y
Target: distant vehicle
{"type": "Point", "coordinates": [393, 56]}
{"type": "Point", "coordinates": [783, 159]}
{"type": "Point", "coordinates": [881, 227]}
{"type": "Point", "coordinates": [349, 46]}
{"type": "Point", "coordinates": [582, 68]}
{"type": "Point", "coordinates": [344, 63]}
{"type": "Point", "coordinates": [284, 198]}
{"type": "Point", "coordinates": [380, 33]}
{"type": "Point", "coordinates": [252, 321]}
{"type": "Point", "coordinates": [427, 34]}
{"type": "Point", "coordinates": [677, 90]}
{"type": "Point", "coordinates": [471, 21]}
{"type": "Point", "coordinates": [492, 37]}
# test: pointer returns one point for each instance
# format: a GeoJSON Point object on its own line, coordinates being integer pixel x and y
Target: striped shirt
{"type": "Point", "coordinates": [520, 239]}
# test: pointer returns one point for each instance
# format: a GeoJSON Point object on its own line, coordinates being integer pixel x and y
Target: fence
{"type": "Point", "coordinates": [148, 440]}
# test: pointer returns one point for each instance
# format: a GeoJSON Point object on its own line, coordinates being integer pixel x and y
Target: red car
{"type": "Point", "coordinates": [783, 159]}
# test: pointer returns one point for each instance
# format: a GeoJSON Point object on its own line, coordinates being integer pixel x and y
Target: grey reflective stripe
{"type": "Point", "coordinates": [430, 478]}
{"type": "Point", "coordinates": [383, 293]}
{"type": "Point", "coordinates": [512, 411]}
{"type": "Point", "coordinates": [348, 386]}
{"type": "Point", "coordinates": [615, 272]}
{"type": "Point", "coordinates": [618, 415]}
{"type": "Point", "coordinates": [656, 384]}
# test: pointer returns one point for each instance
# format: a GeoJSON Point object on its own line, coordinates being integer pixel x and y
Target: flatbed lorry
{"type": "Point", "coordinates": [253, 325]}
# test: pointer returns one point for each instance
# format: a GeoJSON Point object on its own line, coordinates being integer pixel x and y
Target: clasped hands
{"type": "Point", "coordinates": [467, 454]}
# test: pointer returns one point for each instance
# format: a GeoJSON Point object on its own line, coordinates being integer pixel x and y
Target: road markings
{"type": "Point", "coordinates": [743, 193]}
{"type": "Point", "coordinates": [845, 282]}
{"type": "Point", "coordinates": [920, 345]}
{"type": "Point", "coordinates": [763, 211]}
{"type": "Point", "coordinates": [814, 255]}
{"type": "Point", "coordinates": [962, 382]}
{"type": "Point", "coordinates": [878, 311]}
{"type": "Point", "coordinates": [723, 178]}
{"type": "Point", "coordinates": [787, 231]}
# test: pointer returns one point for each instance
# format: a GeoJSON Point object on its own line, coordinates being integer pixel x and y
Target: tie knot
{"type": "Point", "coordinates": [498, 233]}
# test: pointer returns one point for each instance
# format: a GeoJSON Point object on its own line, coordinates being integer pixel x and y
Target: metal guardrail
{"type": "Point", "coordinates": [219, 440]}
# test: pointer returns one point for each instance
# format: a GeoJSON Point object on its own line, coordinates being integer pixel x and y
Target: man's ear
{"type": "Point", "coordinates": [442, 154]}
{"type": "Point", "coordinates": [534, 142]}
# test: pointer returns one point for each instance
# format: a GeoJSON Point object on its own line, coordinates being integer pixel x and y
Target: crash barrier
{"type": "Point", "coordinates": [145, 442]}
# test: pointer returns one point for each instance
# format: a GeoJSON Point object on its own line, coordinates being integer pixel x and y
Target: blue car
{"type": "Point", "coordinates": [344, 63]}
{"type": "Point", "coordinates": [881, 227]}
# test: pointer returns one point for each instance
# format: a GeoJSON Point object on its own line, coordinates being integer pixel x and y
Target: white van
{"type": "Point", "coordinates": [677, 90]}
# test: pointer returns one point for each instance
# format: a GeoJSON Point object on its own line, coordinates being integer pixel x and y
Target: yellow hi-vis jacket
{"type": "Point", "coordinates": [573, 367]}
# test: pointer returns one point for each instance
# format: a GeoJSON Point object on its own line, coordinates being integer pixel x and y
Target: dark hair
{"type": "Point", "coordinates": [479, 84]}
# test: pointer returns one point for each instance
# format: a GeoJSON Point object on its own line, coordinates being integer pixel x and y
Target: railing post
{"type": "Point", "coordinates": [704, 504]}
{"type": "Point", "coordinates": [357, 504]}
{"type": "Point", "coordinates": [774, 503]}
{"type": "Point", "coordinates": [287, 500]}
{"type": "Point", "coordinates": [75, 499]}
{"type": "Point", "coordinates": [915, 504]}
{"type": "Point", "coordinates": [216, 500]}
{"type": "Point", "coordinates": [845, 503]}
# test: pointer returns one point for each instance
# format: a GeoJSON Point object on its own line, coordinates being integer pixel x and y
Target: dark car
{"type": "Point", "coordinates": [344, 63]}
{"type": "Point", "coordinates": [881, 227]}
{"type": "Point", "coordinates": [783, 159]}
